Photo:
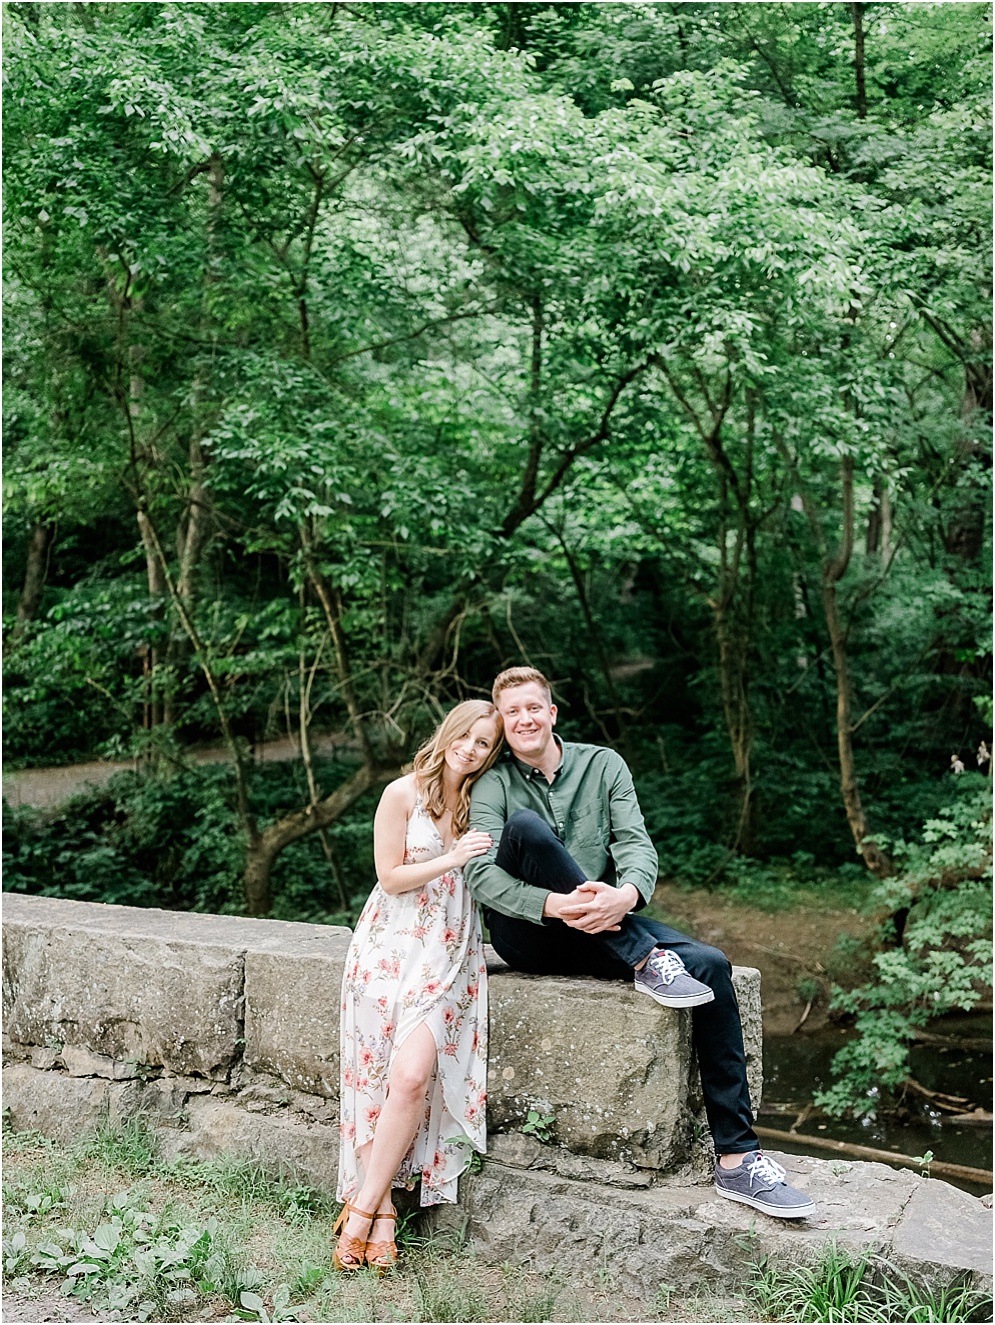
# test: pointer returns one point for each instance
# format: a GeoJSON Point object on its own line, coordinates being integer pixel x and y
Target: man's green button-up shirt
{"type": "Point", "coordinates": [590, 805]}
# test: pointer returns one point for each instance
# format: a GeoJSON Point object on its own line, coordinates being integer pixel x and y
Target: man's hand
{"type": "Point", "coordinates": [596, 907]}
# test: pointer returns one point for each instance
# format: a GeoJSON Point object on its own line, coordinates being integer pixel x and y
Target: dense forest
{"type": "Point", "coordinates": [356, 351]}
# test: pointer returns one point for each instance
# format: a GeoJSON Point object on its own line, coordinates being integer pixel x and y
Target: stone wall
{"type": "Point", "coordinates": [239, 1007]}
{"type": "Point", "coordinates": [223, 1032]}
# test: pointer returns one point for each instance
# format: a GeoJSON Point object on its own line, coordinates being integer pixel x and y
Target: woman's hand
{"type": "Point", "coordinates": [469, 845]}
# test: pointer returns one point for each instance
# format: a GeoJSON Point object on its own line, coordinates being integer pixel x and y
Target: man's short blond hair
{"type": "Point", "coordinates": [519, 676]}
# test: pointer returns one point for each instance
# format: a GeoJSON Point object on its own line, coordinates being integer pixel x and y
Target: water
{"type": "Point", "coordinates": [796, 1066]}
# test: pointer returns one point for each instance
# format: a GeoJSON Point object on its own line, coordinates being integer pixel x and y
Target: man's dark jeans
{"type": "Point", "coordinates": [531, 851]}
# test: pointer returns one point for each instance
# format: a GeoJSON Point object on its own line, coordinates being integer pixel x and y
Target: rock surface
{"type": "Point", "coordinates": [223, 1033]}
{"type": "Point", "coordinates": [292, 999]}
{"type": "Point", "coordinates": [147, 987]}
{"type": "Point", "coordinates": [282, 1144]}
{"type": "Point", "coordinates": [608, 1065]}
{"type": "Point", "coordinates": [679, 1235]}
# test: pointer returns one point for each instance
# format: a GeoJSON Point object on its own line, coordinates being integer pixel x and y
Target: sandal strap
{"type": "Point", "coordinates": [381, 1251]}
{"type": "Point", "coordinates": [349, 1209]}
{"type": "Point", "coordinates": [351, 1246]}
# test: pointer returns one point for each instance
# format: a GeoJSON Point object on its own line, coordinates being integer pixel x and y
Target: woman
{"type": "Point", "coordinates": [414, 1007]}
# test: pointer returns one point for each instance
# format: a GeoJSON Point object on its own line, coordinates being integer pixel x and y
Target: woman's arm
{"type": "Point", "coordinates": [390, 827]}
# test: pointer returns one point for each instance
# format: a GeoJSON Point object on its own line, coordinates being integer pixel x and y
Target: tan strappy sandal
{"type": "Point", "coordinates": [382, 1256]}
{"type": "Point", "coordinates": [349, 1244]}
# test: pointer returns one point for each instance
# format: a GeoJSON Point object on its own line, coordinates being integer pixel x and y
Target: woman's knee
{"type": "Point", "coordinates": [409, 1081]}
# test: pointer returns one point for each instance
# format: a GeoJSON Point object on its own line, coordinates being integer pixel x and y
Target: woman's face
{"type": "Point", "coordinates": [466, 754]}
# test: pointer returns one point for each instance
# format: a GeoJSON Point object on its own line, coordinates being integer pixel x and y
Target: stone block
{"type": "Point", "coordinates": [146, 987]}
{"type": "Point", "coordinates": [941, 1226]}
{"type": "Point", "coordinates": [689, 1235]}
{"type": "Point", "coordinates": [128, 991]}
{"type": "Point", "coordinates": [746, 982]}
{"type": "Point", "coordinates": [80, 1062]}
{"type": "Point", "coordinates": [282, 1144]}
{"type": "Point", "coordinates": [612, 1067]}
{"type": "Point", "coordinates": [140, 986]}
{"type": "Point", "coordinates": [292, 1002]}
{"type": "Point", "coordinates": [62, 1107]}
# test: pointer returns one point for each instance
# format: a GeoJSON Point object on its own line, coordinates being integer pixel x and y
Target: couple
{"type": "Point", "coordinates": [550, 841]}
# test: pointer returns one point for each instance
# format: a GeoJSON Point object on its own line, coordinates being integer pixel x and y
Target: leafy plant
{"type": "Point", "coordinates": [924, 1160]}
{"type": "Point", "coordinates": [252, 1307]}
{"type": "Point", "coordinates": [935, 955]}
{"type": "Point", "coordinates": [842, 1286]}
{"type": "Point", "coordinates": [539, 1125]}
{"type": "Point", "coordinates": [474, 1160]}
{"type": "Point", "coordinates": [134, 1262]}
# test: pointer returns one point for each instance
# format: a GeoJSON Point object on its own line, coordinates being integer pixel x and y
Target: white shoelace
{"type": "Point", "coordinates": [667, 965]}
{"type": "Point", "coordinates": [766, 1170]}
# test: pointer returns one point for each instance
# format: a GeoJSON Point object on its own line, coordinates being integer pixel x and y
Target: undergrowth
{"type": "Point", "coordinates": [842, 1287]}
{"type": "Point", "coordinates": [111, 1223]}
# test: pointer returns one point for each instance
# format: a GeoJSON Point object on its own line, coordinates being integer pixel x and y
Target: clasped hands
{"type": "Point", "coordinates": [593, 907]}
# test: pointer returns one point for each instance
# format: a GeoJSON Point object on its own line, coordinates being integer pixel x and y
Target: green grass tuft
{"type": "Point", "coordinates": [842, 1287]}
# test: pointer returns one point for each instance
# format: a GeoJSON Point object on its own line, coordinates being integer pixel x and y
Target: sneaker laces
{"type": "Point", "coordinates": [763, 1169]}
{"type": "Point", "coordinates": [667, 965]}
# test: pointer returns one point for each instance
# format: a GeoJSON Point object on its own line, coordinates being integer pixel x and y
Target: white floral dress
{"type": "Point", "coordinates": [416, 957]}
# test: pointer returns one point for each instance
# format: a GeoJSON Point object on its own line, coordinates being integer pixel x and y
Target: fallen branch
{"type": "Point", "coordinates": [954, 1041]}
{"type": "Point", "coordinates": [942, 1101]}
{"type": "Point", "coordinates": [868, 1152]}
{"type": "Point", "coordinates": [808, 1009]}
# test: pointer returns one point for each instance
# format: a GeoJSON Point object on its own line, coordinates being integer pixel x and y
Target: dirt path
{"type": "Point", "coordinates": [787, 946]}
{"type": "Point", "coordinates": [45, 787]}
{"type": "Point", "coordinates": [34, 1310]}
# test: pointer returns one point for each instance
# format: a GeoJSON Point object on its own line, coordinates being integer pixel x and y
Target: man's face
{"type": "Point", "coordinates": [529, 719]}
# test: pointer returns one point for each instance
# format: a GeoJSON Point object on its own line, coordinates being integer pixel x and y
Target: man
{"type": "Point", "coordinates": [571, 863]}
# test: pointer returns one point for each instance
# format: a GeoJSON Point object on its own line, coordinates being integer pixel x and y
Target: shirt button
{"type": "Point", "coordinates": [561, 823]}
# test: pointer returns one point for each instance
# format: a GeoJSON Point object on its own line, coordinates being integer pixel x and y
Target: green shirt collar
{"type": "Point", "coordinates": [527, 771]}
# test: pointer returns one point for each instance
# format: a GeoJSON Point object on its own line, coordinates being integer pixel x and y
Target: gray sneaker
{"type": "Point", "coordinates": [665, 978]}
{"type": "Point", "coordinates": [759, 1182]}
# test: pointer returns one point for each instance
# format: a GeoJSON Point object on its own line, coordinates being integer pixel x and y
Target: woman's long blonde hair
{"type": "Point", "coordinates": [431, 758]}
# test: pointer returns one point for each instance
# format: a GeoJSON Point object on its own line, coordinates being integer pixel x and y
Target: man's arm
{"type": "Point", "coordinates": [597, 907]}
{"type": "Point", "coordinates": [488, 883]}
{"type": "Point", "coordinates": [635, 857]}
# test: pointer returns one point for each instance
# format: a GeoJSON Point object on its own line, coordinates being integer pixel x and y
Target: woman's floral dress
{"type": "Point", "coordinates": [416, 957]}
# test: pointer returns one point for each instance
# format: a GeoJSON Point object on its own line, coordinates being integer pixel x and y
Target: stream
{"type": "Point", "coordinates": [797, 1066]}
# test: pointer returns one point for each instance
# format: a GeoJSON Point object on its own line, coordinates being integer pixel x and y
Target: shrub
{"type": "Point", "coordinates": [173, 840]}
{"type": "Point", "coordinates": [935, 952]}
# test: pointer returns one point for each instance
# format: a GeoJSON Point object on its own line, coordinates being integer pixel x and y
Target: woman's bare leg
{"type": "Point", "coordinates": [397, 1125]}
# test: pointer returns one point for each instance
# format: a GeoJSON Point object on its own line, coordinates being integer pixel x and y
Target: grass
{"type": "Point", "coordinates": [867, 1288]}
{"type": "Point", "coordinates": [111, 1225]}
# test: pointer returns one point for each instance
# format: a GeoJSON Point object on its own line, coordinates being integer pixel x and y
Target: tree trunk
{"type": "Point", "coordinates": [158, 589]}
{"type": "Point", "coordinates": [857, 13]}
{"type": "Point", "coordinates": [833, 571]}
{"type": "Point", "coordinates": [738, 713]}
{"type": "Point", "coordinates": [263, 850]}
{"type": "Point", "coordinates": [594, 634]}
{"type": "Point", "coordinates": [35, 574]}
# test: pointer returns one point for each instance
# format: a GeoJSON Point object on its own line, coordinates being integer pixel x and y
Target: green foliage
{"type": "Point", "coordinates": [540, 1125]}
{"type": "Point", "coordinates": [136, 1262]}
{"type": "Point", "coordinates": [262, 1251]}
{"type": "Point", "coordinates": [842, 1286]}
{"type": "Point", "coordinates": [936, 955]}
{"type": "Point", "coordinates": [523, 331]}
{"type": "Point", "coordinates": [172, 840]}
